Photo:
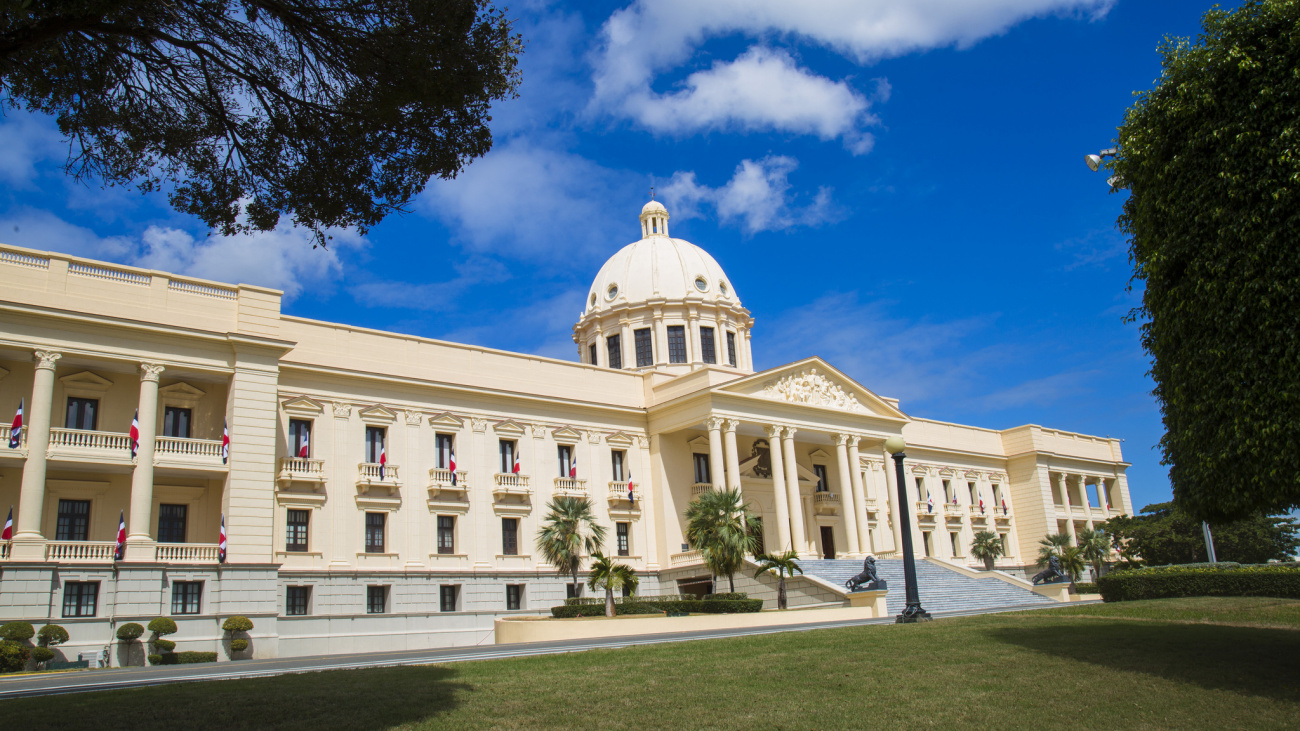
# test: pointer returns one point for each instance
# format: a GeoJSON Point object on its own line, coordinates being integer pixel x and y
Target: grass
{"type": "Point", "coordinates": [1181, 663]}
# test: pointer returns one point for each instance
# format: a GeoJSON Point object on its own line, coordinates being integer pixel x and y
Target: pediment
{"type": "Point", "coordinates": [567, 435]}
{"type": "Point", "coordinates": [303, 406]}
{"type": "Point", "coordinates": [446, 419]}
{"type": "Point", "coordinates": [181, 389]}
{"type": "Point", "coordinates": [814, 382]}
{"type": "Point", "coordinates": [818, 454]}
{"type": "Point", "coordinates": [378, 414]}
{"type": "Point", "coordinates": [699, 444]}
{"type": "Point", "coordinates": [510, 427]}
{"type": "Point", "coordinates": [86, 381]}
{"type": "Point", "coordinates": [619, 439]}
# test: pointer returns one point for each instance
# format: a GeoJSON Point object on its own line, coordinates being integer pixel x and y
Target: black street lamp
{"type": "Point", "coordinates": [913, 611]}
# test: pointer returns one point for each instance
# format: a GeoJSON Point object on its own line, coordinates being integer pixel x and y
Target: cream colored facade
{"type": "Point", "coordinates": [684, 412]}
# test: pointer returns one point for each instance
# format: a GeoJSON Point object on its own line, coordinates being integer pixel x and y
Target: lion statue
{"type": "Point", "coordinates": [868, 580]}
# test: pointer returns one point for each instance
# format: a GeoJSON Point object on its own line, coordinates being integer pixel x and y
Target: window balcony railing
{"type": "Point", "coordinates": [195, 452]}
{"type": "Point", "coordinates": [999, 515]}
{"type": "Point", "coordinates": [685, 559]}
{"type": "Point", "coordinates": [301, 469]}
{"type": "Point", "coordinates": [170, 451]}
{"type": "Point", "coordinates": [572, 486]}
{"type": "Point", "coordinates": [506, 483]}
{"type": "Point", "coordinates": [4, 551]}
{"type": "Point", "coordinates": [954, 511]}
{"type": "Point", "coordinates": [87, 551]}
{"type": "Point", "coordinates": [440, 482]}
{"type": "Point", "coordinates": [826, 503]}
{"type": "Point", "coordinates": [186, 552]}
{"type": "Point", "coordinates": [924, 509]}
{"type": "Point", "coordinates": [4, 437]}
{"type": "Point", "coordinates": [700, 488]}
{"type": "Point", "coordinates": [618, 491]}
{"type": "Point", "coordinates": [368, 473]}
{"type": "Point", "coordinates": [870, 504]}
{"type": "Point", "coordinates": [87, 440]}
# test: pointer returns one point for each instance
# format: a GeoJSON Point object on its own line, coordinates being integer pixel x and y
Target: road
{"type": "Point", "coordinates": [119, 678]}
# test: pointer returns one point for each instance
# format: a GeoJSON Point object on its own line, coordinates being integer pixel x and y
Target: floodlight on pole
{"type": "Point", "coordinates": [1094, 161]}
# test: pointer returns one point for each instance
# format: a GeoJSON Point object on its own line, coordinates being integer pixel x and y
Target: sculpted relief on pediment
{"type": "Point", "coordinates": [812, 388]}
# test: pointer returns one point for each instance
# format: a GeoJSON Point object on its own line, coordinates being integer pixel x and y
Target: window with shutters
{"type": "Point", "coordinates": [731, 348]}
{"type": "Point", "coordinates": [171, 523]}
{"type": "Point", "coordinates": [645, 354]}
{"type": "Point", "coordinates": [676, 344]}
{"type": "Point", "coordinates": [74, 521]}
{"type": "Point", "coordinates": [83, 413]}
{"type": "Point", "coordinates": [176, 422]}
{"type": "Point", "coordinates": [446, 534]}
{"type": "Point", "coordinates": [621, 531]}
{"type": "Point", "coordinates": [707, 352]}
{"type": "Point", "coordinates": [510, 536]}
{"type": "Point", "coordinates": [375, 532]}
{"type": "Point", "coordinates": [295, 538]}
{"type": "Point", "coordinates": [615, 345]}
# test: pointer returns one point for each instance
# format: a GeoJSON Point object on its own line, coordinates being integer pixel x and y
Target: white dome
{"type": "Point", "coordinates": [653, 207]}
{"type": "Point", "coordinates": [658, 267]}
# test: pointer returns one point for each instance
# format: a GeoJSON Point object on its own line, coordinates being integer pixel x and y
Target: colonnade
{"type": "Point", "coordinates": [1069, 486]}
{"type": "Point", "coordinates": [28, 541]}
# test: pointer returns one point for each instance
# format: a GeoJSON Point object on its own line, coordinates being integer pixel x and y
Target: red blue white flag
{"type": "Point", "coordinates": [981, 505]}
{"type": "Point", "coordinates": [573, 467]}
{"type": "Point", "coordinates": [135, 433]}
{"type": "Point", "coordinates": [929, 503]}
{"type": "Point", "coordinates": [515, 470]}
{"type": "Point", "coordinates": [221, 543]}
{"type": "Point", "coordinates": [16, 431]}
{"type": "Point", "coordinates": [631, 496]}
{"type": "Point", "coordinates": [954, 498]}
{"type": "Point", "coordinates": [120, 551]}
{"type": "Point", "coordinates": [225, 442]}
{"type": "Point", "coordinates": [383, 459]}
{"type": "Point", "coordinates": [8, 532]}
{"type": "Point", "coordinates": [451, 464]}
{"type": "Point", "coordinates": [1004, 506]}
{"type": "Point", "coordinates": [304, 444]}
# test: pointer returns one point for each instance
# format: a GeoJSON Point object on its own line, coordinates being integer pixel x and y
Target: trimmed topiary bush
{"type": "Point", "coordinates": [1168, 582]}
{"type": "Point", "coordinates": [13, 657]}
{"type": "Point", "coordinates": [17, 631]}
{"type": "Point", "coordinates": [237, 624]}
{"type": "Point", "coordinates": [168, 659]}
{"type": "Point", "coordinates": [51, 635]}
{"type": "Point", "coordinates": [184, 658]}
{"type": "Point", "coordinates": [238, 645]}
{"type": "Point", "coordinates": [164, 645]}
{"type": "Point", "coordinates": [163, 626]}
{"type": "Point", "coordinates": [42, 654]}
{"type": "Point", "coordinates": [130, 631]}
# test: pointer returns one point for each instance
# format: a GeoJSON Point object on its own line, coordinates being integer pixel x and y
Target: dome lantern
{"type": "Point", "coordinates": [654, 220]}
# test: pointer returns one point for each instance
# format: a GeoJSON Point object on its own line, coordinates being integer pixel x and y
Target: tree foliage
{"type": "Point", "coordinates": [610, 575]}
{"type": "Point", "coordinates": [717, 526]}
{"type": "Point", "coordinates": [782, 565]}
{"type": "Point", "coordinates": [334, 112]}
{"type": "Point", "coordinates": [987, 546]}
{"type": "Point", "coordinates": [1163, 534]}
{"type": "Point", "coordinates": [569, 530]}
{"type": "Point", "coordinates": [1209, 157]}
{"type": "Point", "coordinates": [1095, 545]}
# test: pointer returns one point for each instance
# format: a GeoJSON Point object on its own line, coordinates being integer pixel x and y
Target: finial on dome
{"type": "Point", "coordinates": [654, 218]}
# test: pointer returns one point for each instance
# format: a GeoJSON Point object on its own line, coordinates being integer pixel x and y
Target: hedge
{"type": "Point", "coordinates": [1083, 587]}
{"type": "Point", "coordinates": [728, 595]}
{"type": "Point", "coordinates": [634, 599]}
{"type": "Point", "coordinates": [182, 658]}
{"type": "Point", "coordinates": [238, 645]}
{"type": "Point", "coordinates": [13, 657]}
{"type": "Point", "coordinates": [656, 605]}
{"type": "Point", "coordinates": [1181, 581]}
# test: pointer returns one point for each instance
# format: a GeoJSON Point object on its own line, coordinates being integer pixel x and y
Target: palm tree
{"type": "Point", "coordinates": [716, 527]}
{"type": "Point", "coordinates": [987, 546]}
{"type": "Point", "coordinates": [1095, 545]}
{"type": "Point", "coordinates": [1072, 563]}
{"type": "Point", "coordinates": [568, 530]}
{"type": "Point", "coordinates": [1052, 545]}
{"type": "Point", "coordinates": [779, 564]}
{"type": "Point", "coordinates": [607, 575]}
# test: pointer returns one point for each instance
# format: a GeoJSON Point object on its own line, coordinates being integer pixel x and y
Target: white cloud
{"type": "Point", "coordinates": [38, 229]}
{"type": "Point", "coordinates": [757, 197]}
{"type": "Point", "coordinates": [432, 296]}
{"type": "Point", "coordinates": [648, 38]}
{"type": "Point", "coordinates": [28, 139]}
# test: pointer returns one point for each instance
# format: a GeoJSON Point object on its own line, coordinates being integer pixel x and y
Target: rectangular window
{"type": "Point", "coordinates": [187, 597]}
{"type": "Point", "coordinates": [645, 353]}
{"type": "Point", "coordinates": [375, 443]}
{"type": "Point", "coordinates": [565, 453]}
{"type": "Point", "coordinates": [925, 541]}
{"type": "Point", "coordinates": [507, 456]}
{"type": "Point", "coordinates": [920, 489]}
{"type": "Point", "coordinates": [514, 596]}
{"type": "Point", "coordinates": [702, 474]}
{"type": "Point", "coordinates": [300, 437]}
{"type": "Point", "coordinates": [510, 536]}
{"type": "Point", "coordinates": [295, 525]}
{"type": "Point", "coordinates": [676, 344]}
{"type": "Point", "coordinates": [621, 531]}
{"type": "Point", "coordinates": [83, 413]}
{"type": "Point", "coordinates": [176, 422]}
{"type": "Point", "coordinates": [443, 445]}
{"type": "Point", "coordinates": [616, 460]}
{"type": "Point", "coordinates": [974, 493]}
{"type": "Point", "coordinates": [947, 491]}
{"type": "Point", "coordinates": [591, 354]}
{"type": "Point", "coordinates": [446, 534]}
{"type": "Point", "coordinates": [615, 345]}
{"type": "Point", "coordinates": [997, 495]}
{"type": "Point", "coordinates": [79, 598]}
{"type": "Point", "coordinates": [171, 523]}
{"type": "Point", "coordinates": [708, 353]}
{"type": "Point", "coordinates": [375, 532]}
{"type": "Point", "coordinates": [74, 521]}
{"type": "Point", "coordinates": [822, 484]}
{"type": "Point", "coordinates": [956, 544]}
{"type": "Point", "coordinates": [296, 599]}
{"type": "Point", "coordinates": [376, 599]}
{"type": "Point", "coordinates": [1006, 544]}
{"type": "Point", "coordinates": [572, 593]}
{"type": "Point", "coordinates": [447, 598]}
{"type": "Point", "coordinates": [731, 348]}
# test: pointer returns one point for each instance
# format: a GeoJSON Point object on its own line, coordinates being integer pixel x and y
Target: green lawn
{"type": "Point", "coordinates": [1182, 663]}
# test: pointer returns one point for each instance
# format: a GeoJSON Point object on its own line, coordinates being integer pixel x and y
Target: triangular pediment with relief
{"type": "Point", "coordinates": [446, 419]}
{"type": "Point", "coordinates": [813, 382]}
{"type": "Point", "coordinates": [86, 381]}
{"type": "Point", "coordinates": [566, 435]}
{"type": "Point", "coordinates": [619, 439]}
{"type": "Point", "coordinates": [377, 414]}
{"type": "Point", "coordinates": [303, 406]}
{"type": "Point", "coordinates": [510, 427]}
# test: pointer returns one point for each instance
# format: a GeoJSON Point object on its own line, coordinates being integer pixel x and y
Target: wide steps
{"type": "Point", "coordinates": [941, 589]}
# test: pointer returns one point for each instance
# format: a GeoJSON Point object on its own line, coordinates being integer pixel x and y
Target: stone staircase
{"type": "Point", "coordinates": [941, 589]}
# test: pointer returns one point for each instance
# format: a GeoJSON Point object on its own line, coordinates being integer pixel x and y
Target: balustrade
{"type": "Point", "coordinates": [186, 552]}
{"type": "Point", "coordinates": [301, 469]}
{"type": "Point", "coordinates": [700, 488]}
{"type": "Point", "coordinates": [440, 480]}
{"type": "Point", "coordinates": [88, 551]}
{"type": "Point", "coordinates": [61, 438]}
{"type": "Point", "coordinates": [570, 486]}
{"type": "Point", "coordinates": [370, 472]}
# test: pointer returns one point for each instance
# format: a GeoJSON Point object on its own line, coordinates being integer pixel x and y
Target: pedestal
{"type": "Point", "coordinates": [874, 598]}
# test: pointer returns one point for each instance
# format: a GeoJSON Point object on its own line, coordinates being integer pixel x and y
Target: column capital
{"type": "Point", "coordinates": [731, 425]}
{"type": "Point", "coordinates": [842, 440]}
{"type": "Point", "coordinates": [774, 430]}
{"type": "Point", "coordinates": [789, 432]}
{"type": "Point", "coordinates": [150, 371]}
{"type": "Point", "coordinates": [714, 423]}
{"type": "Point", "coordinates": [45, 359]}
{"type": "Point", "coordinates": [344, 411]}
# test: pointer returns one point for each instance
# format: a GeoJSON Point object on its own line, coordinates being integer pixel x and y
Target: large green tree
{"type": "Point", "coordinates": [1163, 534]}
{"type": "Point", "coordinates": [568, 531]}
{"type": "Point", "coordinates": [333, 112]}
{"type": "Point", "coordinates": [717, 526]}
{"type": "Point", "coordinates": [1211, 160]}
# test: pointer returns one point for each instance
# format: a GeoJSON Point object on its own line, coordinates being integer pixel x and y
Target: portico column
{"type": "Point", "coordinates": [1087, 503]}
{"type": "Point", "coordinates": [715, 453]}
{"type": "Point", "coordinates": [859, 495]}
{"type": "Point", "coordinates": [895, 517]}
{"type": "Point", "coordinates": [797, 535]}
{"type": "Point", "coordinates": [142, 476]}
{"type": "Point", "coordinates": [1064, 489]}
{"type": "Point", "coordinates": [733, 459]}
{"type": "Point", "coordinates": [31, 497]}
{"type": "Point", "coordinates": [778, 489]}
{"type": "Point", "coordinates": [846, 491]}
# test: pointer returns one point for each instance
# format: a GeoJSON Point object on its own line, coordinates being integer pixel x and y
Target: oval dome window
{"type": "Point", "coordinates": [722, 287]}
{"type": "Point", "coordinates": [701, 284]}
{"type": "Point", "coordinates": [612, 292]}
{"type": "Point", "coordinates": [593, 299]}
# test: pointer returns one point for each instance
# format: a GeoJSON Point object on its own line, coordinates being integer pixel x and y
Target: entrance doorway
{"type": "Point", "coordinates": [828, 542]}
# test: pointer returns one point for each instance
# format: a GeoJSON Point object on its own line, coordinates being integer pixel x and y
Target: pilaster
{"type": "Point", "coordinates": [28, 543]}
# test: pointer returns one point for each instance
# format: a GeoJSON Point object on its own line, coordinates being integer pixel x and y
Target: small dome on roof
{"type": "Point", "coordinates": [653, 206]}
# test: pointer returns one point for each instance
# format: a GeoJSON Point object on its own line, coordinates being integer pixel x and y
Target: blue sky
{"type": "Point", "coordinates": [908, 179]}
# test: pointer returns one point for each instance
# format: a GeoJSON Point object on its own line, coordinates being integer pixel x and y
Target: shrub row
{"type": "Point", "coordinates": [635, 599]}
{"type": "Point", "coordinates": [656, 605]}
{"type": "Point", "coordinates": [1182, 581]}
{"type": "Point", "coordinates": [1083, 587]}
{"type": "Point", "coordinates": [182, 658]}
{"type": "Point", "coordinates": [727, 595]}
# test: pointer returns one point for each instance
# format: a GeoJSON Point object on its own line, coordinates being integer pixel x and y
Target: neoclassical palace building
{"type": "Point", "coordinates": [384, 491]}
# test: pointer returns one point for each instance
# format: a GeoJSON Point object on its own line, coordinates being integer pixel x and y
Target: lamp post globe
{"type": "Point", "coordinates": [912, 612]}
